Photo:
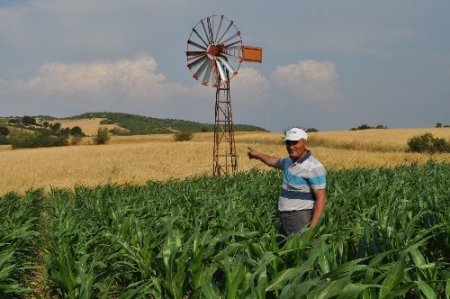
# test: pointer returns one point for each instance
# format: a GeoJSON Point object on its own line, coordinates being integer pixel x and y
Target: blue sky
{"type": "Point", "coordinates": [327, 64]}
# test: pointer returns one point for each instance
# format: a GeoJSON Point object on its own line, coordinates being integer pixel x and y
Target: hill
{"type": "Point", "coordinates": [143, 125]}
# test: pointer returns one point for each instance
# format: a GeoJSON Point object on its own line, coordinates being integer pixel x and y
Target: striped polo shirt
{"type": "Point", "coordinates": [299, 180]}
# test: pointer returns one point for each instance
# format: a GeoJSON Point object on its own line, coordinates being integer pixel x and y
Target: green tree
{"type": "Point", "coordinates": [28, 120]}
{"type": "Point", "coordinates": [76, 131]}
{"type": "Point", "coordinates": [55, 128]}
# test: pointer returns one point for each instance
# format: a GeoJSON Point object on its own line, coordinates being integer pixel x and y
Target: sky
{"type": "Point", "coordinates": [327, 64]}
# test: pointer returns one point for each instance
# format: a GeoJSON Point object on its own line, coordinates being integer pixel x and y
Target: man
{"type": "Point", "coordinates": [302, 198]}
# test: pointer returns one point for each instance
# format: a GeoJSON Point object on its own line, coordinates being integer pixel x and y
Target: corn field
{"type": "Point", "coordinates": [385, 234]}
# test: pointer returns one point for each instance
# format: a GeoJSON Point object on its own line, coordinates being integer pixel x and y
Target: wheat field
{"type": "Point", "coordinates": [138, 159]}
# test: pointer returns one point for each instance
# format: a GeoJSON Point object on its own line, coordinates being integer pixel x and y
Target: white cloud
{"type": "Point", "coordinates": [310, 80]}
{"type": "Point", "coordinates": [132, 78]}
{"type": "Point", "coordinates": [251, 87]}
{"type": "Point", "coordinates": [125, 85]}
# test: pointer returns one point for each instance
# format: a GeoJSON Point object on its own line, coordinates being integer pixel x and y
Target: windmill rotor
{"type": "Point", "coordinates": [213, 51]}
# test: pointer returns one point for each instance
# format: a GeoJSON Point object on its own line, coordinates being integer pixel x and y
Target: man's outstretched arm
{"type": "Point", "coordinates": [266, 159]}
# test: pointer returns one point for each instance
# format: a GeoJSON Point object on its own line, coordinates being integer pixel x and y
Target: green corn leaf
{"type": "Point", "coordinates": [209, 289]}
{"type": "Point", "coordinates": [298, 290]}
{"type": "Point", "coordinates": [323, 259]}
{"type": "Point", "coordinates": [262, 284]}
{"type": "Point", "coordinates": [238, 278]}
{"type": "Point", "coordinates": [393, 278]}
{"type": "Point", "coordinates": [353, 290]}
{"type": "Point", "coordinates": [447, 288]}
{"type": "Point", "coordinates": [426, 290]}
{"type": "Point", "coordinates": [330, 289]}
{"type": "Point", "coordinates": [351, 266]}
{"type": "Point", "coordinates": [417, 257]}
{"type": "Point", "coordinates": [283, 278]}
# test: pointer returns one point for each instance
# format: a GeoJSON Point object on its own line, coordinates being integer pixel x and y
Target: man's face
{"type": "Point", "coordinates": [296, 149]}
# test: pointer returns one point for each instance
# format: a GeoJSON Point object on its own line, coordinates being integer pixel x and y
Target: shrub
{"type": "Point", "coordinates": [183, 136]}
{"type": "Point", "coordinates": [427, 143]}
{"type": "Point", "coordinates": [3, 140]}
{"type": "Point", "coordinates": [75, 140]}
{"type": "Point", "coordinates": [23, 139]}
{"type": "Point", "coordinates": [102, 136]}
{"type": "Point", "coordinates": [4, 131]}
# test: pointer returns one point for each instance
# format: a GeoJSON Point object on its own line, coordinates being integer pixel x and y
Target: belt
{"type": "Point", "coordinates": [293, 211]}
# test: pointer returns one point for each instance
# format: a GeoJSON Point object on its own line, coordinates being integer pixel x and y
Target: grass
{"type": "Point", "coordinates": [137, 159]}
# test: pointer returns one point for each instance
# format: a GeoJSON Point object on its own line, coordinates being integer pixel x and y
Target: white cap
{"type": "Point", "coordinates": [295, 134]}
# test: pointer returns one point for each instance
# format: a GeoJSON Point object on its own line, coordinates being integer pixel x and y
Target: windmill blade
{"type": "Point", "coordinates": [223, 77]}
{"type": "Point", "coordinates": [210, 26]}
{"type": "Point", "coordinates": [227, 65]}
{"type": "Point", "coordinates": [196, 45]}
{"type": "Point", "coordinates": [226, 54]}
{"type": "Point", "coordinates": [199, 36]}
{"type": "Point", "coordinates": [207, 74]}
{"type": "Point", "coordinates": [232, 52]}
{"type": "Point", "coordinates": [196, 62]}
{"type": "Point", "coordinates": [238, 33]}
{"type": "Point", "coordinates": [233, 47]}
{"type": "Point", "coordinates": [218, 29]}
{"type": "Point", "coordinates": [228, 28]}
{"type": "Point", "coordinates": [201, 68]}
{"type": "Point", "coordinates": [195, 53]}
{"type": "Point", "coordinates": [232, 44]}
{"type": "Point", "coordinates": [206, 33]}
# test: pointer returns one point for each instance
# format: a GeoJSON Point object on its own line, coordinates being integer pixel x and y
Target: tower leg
{"type": "Point", "coordinates": [224, 154]}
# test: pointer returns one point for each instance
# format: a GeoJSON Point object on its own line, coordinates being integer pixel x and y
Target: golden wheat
{"type": "Point", "coordinates": [137, 159]}
{"type": "Point", "coordinates": [373, 140]}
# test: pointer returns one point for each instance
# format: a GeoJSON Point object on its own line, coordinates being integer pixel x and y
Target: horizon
{"type": "Point", "coordinates": [372, 126]}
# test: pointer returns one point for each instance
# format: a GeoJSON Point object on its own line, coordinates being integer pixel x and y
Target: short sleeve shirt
{"type": "Point", "coordinates": [299, 181]}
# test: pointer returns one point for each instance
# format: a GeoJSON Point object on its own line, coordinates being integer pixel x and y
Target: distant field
{"type": "Point", "coordinates": [89, 126]}
{"type": "Point", "coordinates": [374, 140]}
{"type": "Point", "coordinates": [137, 159]}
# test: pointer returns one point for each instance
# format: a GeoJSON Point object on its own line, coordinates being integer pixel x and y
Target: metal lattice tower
{"type": "Point", "coordinates": [224, 160]}
{"type": "Point", "coordinates": [214, 55]}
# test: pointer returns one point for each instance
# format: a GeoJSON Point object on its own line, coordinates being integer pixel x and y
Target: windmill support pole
{"type": "Point", "coordinates": [224, 154]}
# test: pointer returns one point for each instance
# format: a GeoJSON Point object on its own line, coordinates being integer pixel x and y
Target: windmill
{"type": "Point", "coordinates": [214, 55]}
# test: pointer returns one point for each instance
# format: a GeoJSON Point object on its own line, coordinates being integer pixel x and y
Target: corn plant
{"type": "Point", "coordinates": [385, 233]}
{"type": "Point", "coordinates": [19, 239]}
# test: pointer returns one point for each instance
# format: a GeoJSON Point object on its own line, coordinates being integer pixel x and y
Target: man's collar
{"type": "Point", "coordinates": [306, 156]}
